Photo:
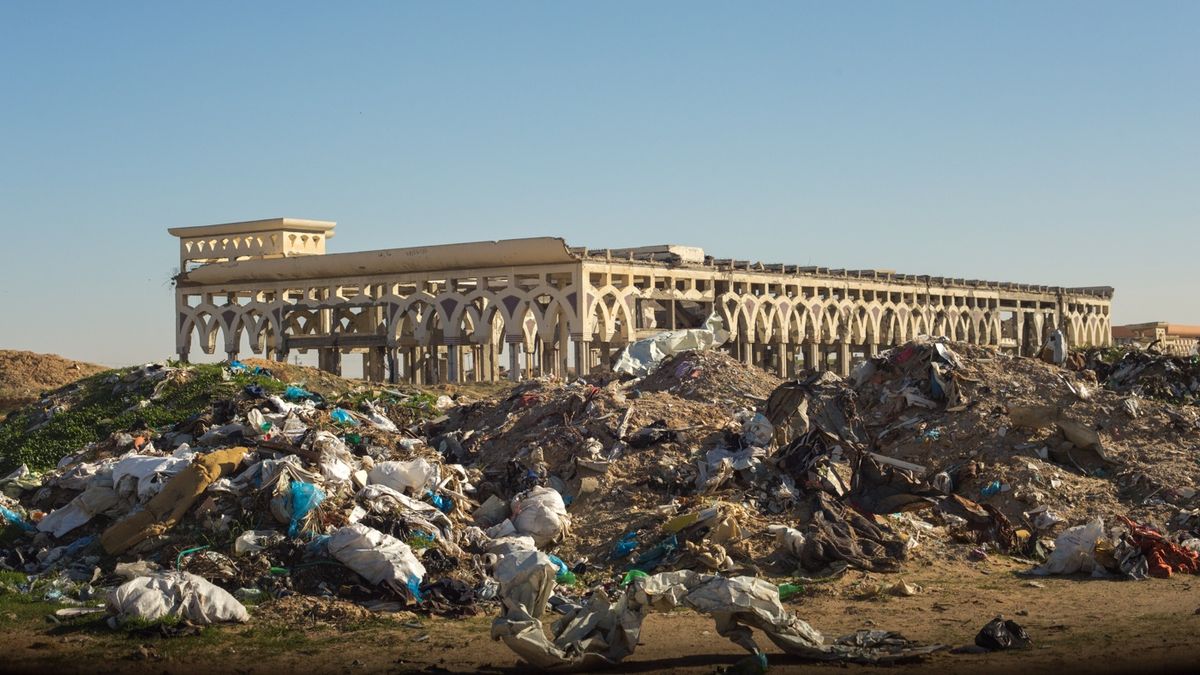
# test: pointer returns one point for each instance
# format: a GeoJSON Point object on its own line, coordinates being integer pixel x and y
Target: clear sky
{"type": "Point", "coordinates": [1043, 142]}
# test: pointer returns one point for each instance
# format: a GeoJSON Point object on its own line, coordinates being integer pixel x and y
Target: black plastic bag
{"type": "Point", "coordinates": [1001, 634]}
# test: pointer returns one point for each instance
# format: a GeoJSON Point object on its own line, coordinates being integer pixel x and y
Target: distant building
{"type": "Point", "coordinates": [1172, 338]}
{"type": "Point", "coordinates": [460, 312]}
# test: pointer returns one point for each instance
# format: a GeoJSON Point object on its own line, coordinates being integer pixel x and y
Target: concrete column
{"type": "Point", "coordinates": [453, 358]}
{"type": "Point", "coordinates": [231, 355]}
{"type": "Point", "coordinates": [583, 357]}
{"type": "Point", "coordinates": [813, 357]}
{"type": "Point", "coordinates": [783, 360]}
{"type": "Point", "coordinates": [183, 355]}
{"type": "Point", "coordinates": [564, 339]}
{"type": "Point", "coordinates": [330, 359]}
{"type": "Point", "coordinates": [393, 365]}
{"type": "Point", "coordinates": [487, 362]}
{"type": "Point", "coordinates": [378, 364]}
{"type": "Point", "coordinates": [433, 364]}
{"type": "Point", "coordinates": [514, 362]}
{"type": "Point", "coordinates": [872, 350]}
{"type": "Point", "coordinates": [844, 359]}
{"type": "Point", "coordinates": [417, 365]}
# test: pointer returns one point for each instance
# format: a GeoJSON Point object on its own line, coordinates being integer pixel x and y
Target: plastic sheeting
{"type": "Point", "coordinates": [606, 630]}
{"type": "Point", "coordinates": [640, 357]}
{"type": "Point", "coordinates": [98, 498]}
{"type": "Point", "coordinates": [148, 472]}
{"type": "Point", "coordinates": [175, 594]}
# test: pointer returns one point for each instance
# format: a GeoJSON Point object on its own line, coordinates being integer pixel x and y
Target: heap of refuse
{"type": "Point", "coordinates": [705, 484]}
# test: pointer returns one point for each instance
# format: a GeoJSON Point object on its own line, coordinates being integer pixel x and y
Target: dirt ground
{"type": "Point", "coordinates": [25, 375]}
{"type": "Point", "coordinates": [1076, 624]}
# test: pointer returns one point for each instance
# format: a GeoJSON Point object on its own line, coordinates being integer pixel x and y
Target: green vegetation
{"type": "Point", "coordinates": [94, 409]}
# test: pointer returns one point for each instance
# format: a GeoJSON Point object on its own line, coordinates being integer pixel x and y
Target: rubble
{"type": "Point", "coordinates": [704, 484]}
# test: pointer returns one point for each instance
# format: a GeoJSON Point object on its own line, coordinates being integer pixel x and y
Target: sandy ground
{"type": "Point", "coordinates": [1077, 624]}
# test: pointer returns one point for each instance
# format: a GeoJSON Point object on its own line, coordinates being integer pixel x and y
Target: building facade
{"type": "Point", "coordinates": [520, 308]}
{"type": "Point", "coordinates": [1169, 338]}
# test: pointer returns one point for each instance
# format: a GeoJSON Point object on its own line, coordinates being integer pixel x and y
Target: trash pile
{"type": "Point", "coordinates": [1146, 374]}
{"type": "Point", "coordinates": [704, 484]}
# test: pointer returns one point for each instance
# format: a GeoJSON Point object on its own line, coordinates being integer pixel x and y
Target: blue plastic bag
{"type": "Point", "coordinates": [655, 556]}
{"type": "Point", "coordinates": [442, 502]}
{"type": "Point", "coordinates": [624, 546]}
{"type": "Point", "coordinates": [414, 587]}
{"type": "Point", "coordinates": [305, 498]}
{"type": "Point", "coordinates": [294, 393]}
{"type": "Point", "coordinates": [990, 489]}
{"type": "Point", "coordinates": [343, 417]}
{"type": "Point", "coordinates": [15, 519]}
{"type": "Point", "coordinates": [564, 575]}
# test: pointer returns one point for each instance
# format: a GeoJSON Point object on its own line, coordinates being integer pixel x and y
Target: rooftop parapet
{"type": "Point", "coordinates": [250, 240]}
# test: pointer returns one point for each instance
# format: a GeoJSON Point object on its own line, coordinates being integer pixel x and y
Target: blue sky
{"type": "Point", "coordinates": [1044, 142]}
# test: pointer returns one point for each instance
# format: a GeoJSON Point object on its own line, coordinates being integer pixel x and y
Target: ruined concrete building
{"type": "Point", "coordinates": [518, 308]}
{"type": "Point", "coordinates": [1169, 338]}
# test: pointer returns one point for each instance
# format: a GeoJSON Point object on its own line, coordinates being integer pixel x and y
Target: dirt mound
{"type": "Point", "coordinates": [976, 441]}
{"type": "Point", "coordinates": [710, 375]}
{"type": "Point", "coordinates": [310, 612]}
{"type": "Point", "coordinates": [25, 376]}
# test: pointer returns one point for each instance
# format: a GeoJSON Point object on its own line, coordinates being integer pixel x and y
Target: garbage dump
{"type": "Point", "coordinates": [703, 484]}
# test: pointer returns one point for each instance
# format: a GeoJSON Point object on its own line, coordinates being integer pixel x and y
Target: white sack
{"type": "Point", "coordinates": [176, 594]}
{"type": "Point", "coordinates": [377, 557]}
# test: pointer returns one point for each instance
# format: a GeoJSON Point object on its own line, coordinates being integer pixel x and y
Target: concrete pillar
{"type": "Point", "coordinates": [393, 365]}
{"type": "Point", "coordinates": [844, 358]}
{"type": "Point", "coordinates": [487, 362]}
{"type": "Point", "coordinates": [433, 364]}
{"type": "Point", "coordinates": [183, 355]}
{"type": "Point", "coordinates": [378, 364]}
{"type": "Point", "coordinates": [231, 356]}
{"type": "Point", "coordinates": [783, 360]}
{"type": "Point", "coordinates": [583, 358]}
{"type": "Point", "coordinates": [514, 362]}
{"type": "Point", "coordinates": [453, 358]}
{"type": "Point", "coordinates": [872, 350]}
{"type": "Point", "coordinates": [812, 357]}
{"type": "Point", "coordinates": [416, 365]}
{"type": "Point", "coordinates": [564, 339]}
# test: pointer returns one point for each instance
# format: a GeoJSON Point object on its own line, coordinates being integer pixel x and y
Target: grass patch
{"type": "Point", "coordinates": [98, 405]}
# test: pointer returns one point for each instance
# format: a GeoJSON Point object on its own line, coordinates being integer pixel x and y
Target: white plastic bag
{"type": "Point", "coordinates": [790, 540]}
{"type": "Point", "coordinates": [1074, 550]}
{"type": "Point", "coordinates": [540, 513]}
{"type": "Point", "coordinates": [756, 429]}
{"type": "Point", "coordinates": [333, 458]}
{"type": "Point", "coordinates": [378, 558]}
{"type": "Point", "coordinates": [253, 541]}
{"type": "Point", "coordinates": [414, 475]}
